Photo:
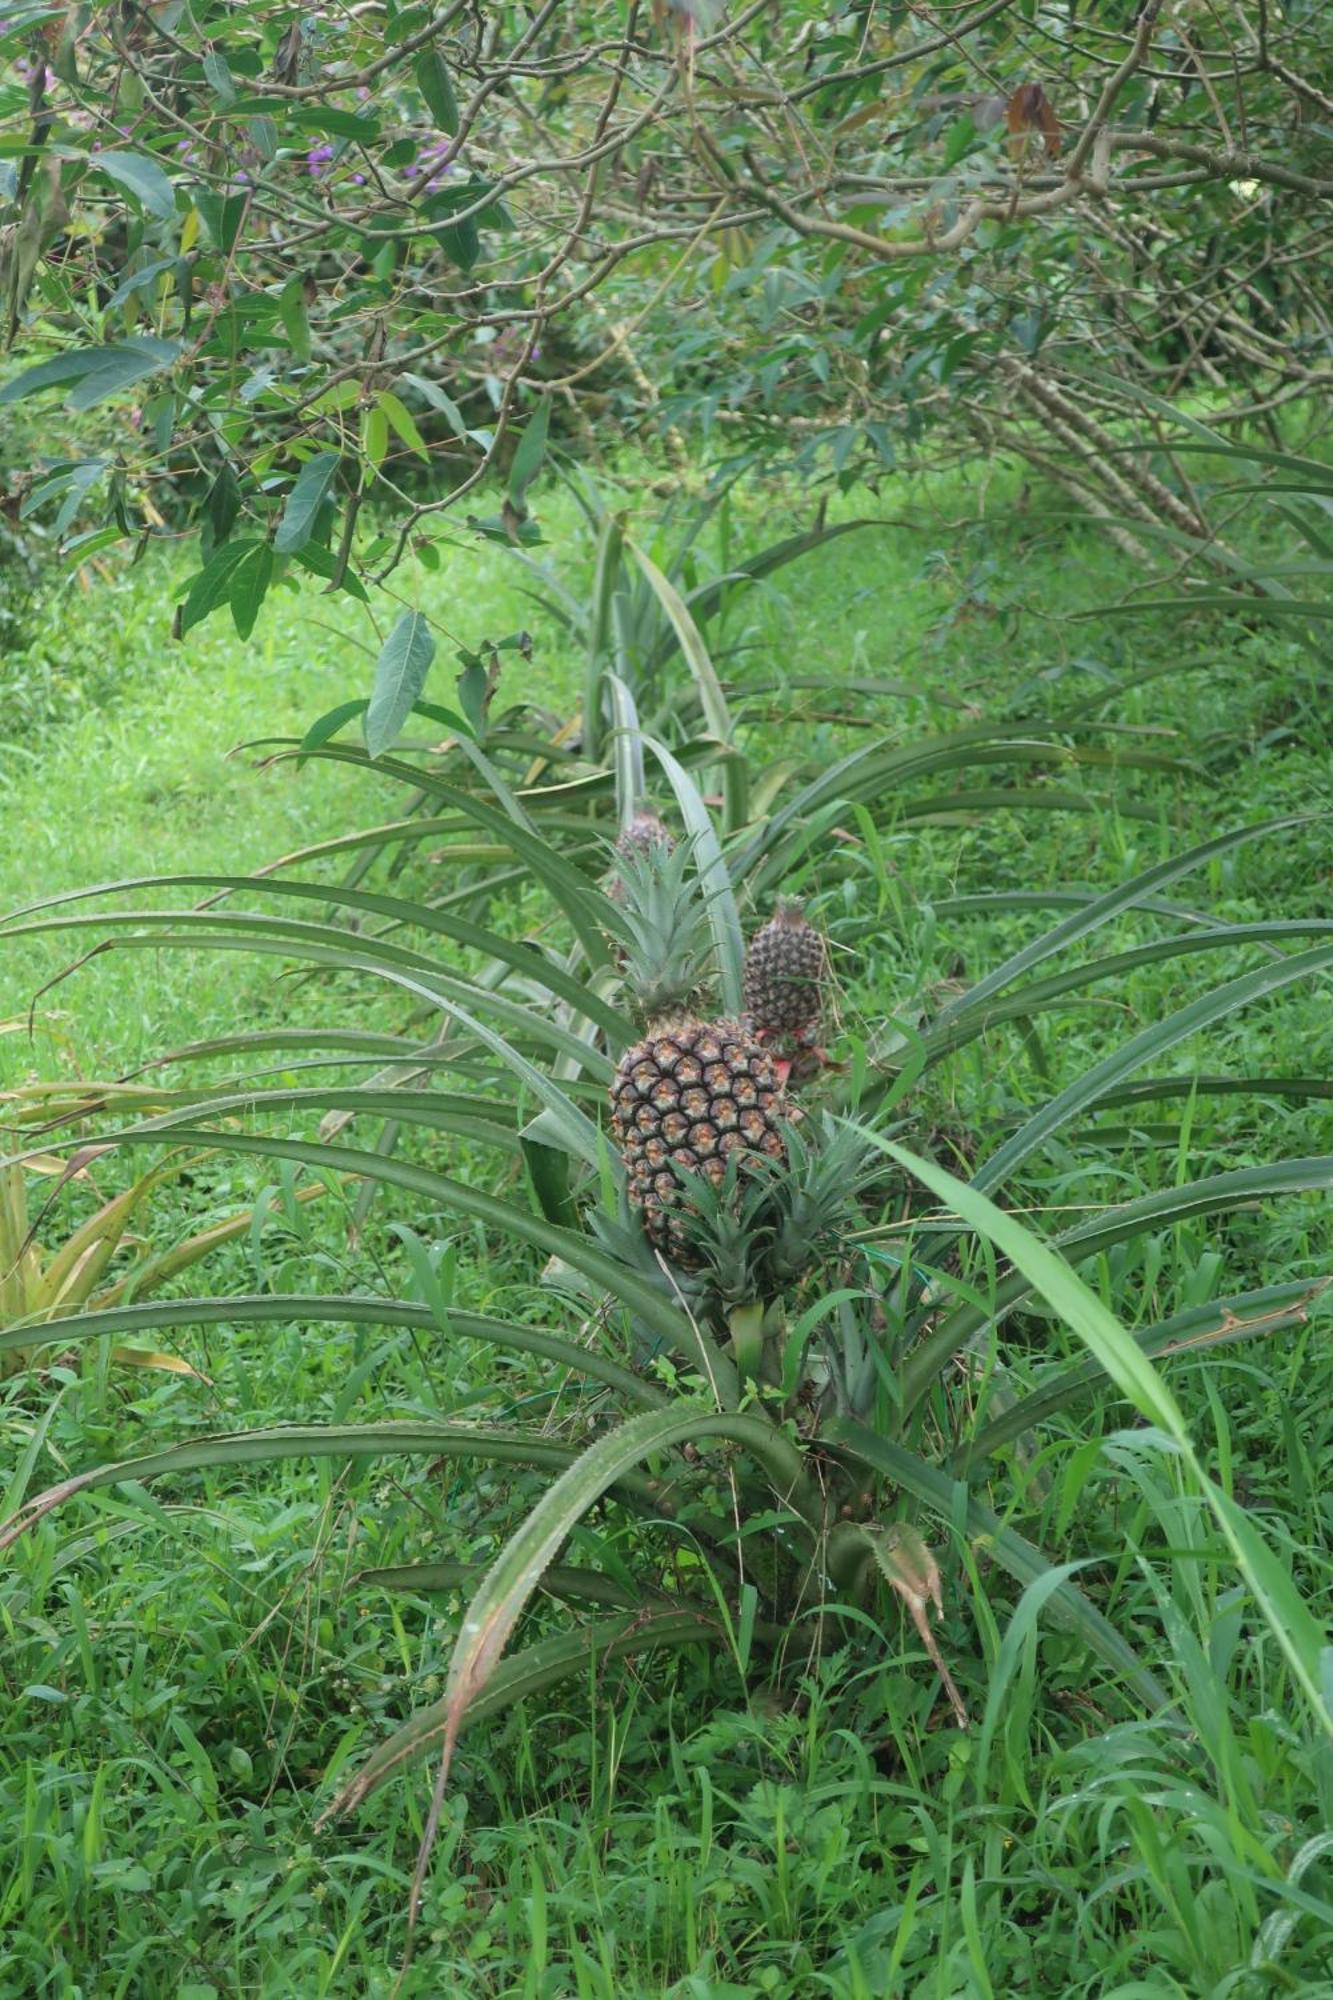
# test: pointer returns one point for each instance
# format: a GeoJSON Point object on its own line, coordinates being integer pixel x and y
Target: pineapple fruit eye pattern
{"type": "Point", "coordinates": [688, 1097]}
{"type": "Point", "coordinates": [785, 976]}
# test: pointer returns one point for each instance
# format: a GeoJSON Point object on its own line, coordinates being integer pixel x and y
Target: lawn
{"type": "Point", "coordinates": [190, 1666]}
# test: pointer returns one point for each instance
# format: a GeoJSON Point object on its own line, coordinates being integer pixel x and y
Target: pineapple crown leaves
{"type": "Point", "coordinates": [816, 1191]}
{"type": "Point", "coordinates": [658, 915]}
{"type": "Point", "coordinates": [771, 1221]}
{"type": "Point", "coordinates": [727, 1224]}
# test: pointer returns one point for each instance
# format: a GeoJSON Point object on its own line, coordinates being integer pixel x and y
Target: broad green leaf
{"type": "Point", "coordinates": [140, 176]}
{"type": "Point", "coordinates": [529, 454]}
{"type": "Point", "coordinates": [331, 118]}
{"type": "Point", "coordinates": [400, 675]}
{"type": "Point", "coordinates": [129, 362]}
{"type": "Point", "coordinates": [294, 317]}
{"type": "Point", "coordinates": [460, 242]}
{"type": "Point", "coordinates": [435, 396]}
{"type": "Point", "coordinates": [328, 725]}
{"type": "Point", "coordinates": [96, 372]}
{"type": "Point", "coordinates": [138, 280]}
{"type": "Point", "coordinates": [213, 583]}
{"type": "Point", "coordinates": [323, 563]}
{"type": "Point", "coordinates": [221, 509]}
{"type": "Point", "coordinates": [219, 75]}
{"type": "Point", "coordinates": [222, 216]}
{"type": "Point", "coordinates": [247, 586]}
{"type": "Point", "coordinates": [375, 439]}
{"type": "Point", "coordinates": [337, 397]}
{"type": "Point", "coordinates": [304, 501]}
{"type": "Point", "coordinates": [436, 87]}
{"type": "Point", "coordinates": [403, 422]}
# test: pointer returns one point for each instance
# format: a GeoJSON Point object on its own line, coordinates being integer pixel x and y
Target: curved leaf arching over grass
{"type": "Point", "coordinates": [1289, 1619]}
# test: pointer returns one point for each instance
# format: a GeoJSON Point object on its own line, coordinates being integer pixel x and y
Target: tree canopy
{"type": "Point", "coordinates": [310, 258]}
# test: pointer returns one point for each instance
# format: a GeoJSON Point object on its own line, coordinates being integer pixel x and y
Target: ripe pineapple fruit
{"type": "Point", "coordinates": [692, 1093]}
{"type": "Point", "coordinates": [688, 1096]}
{"type": "Point", "coordinates": [786, 970]}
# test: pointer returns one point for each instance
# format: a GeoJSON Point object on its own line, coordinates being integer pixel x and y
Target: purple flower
{"type": "Point", "coordinates": [317, 159]}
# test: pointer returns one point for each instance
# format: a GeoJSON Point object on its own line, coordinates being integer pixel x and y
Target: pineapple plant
{"type": "Point", "coordinates": [786, 972]}
{"type": "Point", "coordinates": [692, 1093]}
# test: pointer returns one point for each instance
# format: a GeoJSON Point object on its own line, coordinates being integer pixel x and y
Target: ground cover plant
{"type": "Point", "coordinates": [781, 1811]}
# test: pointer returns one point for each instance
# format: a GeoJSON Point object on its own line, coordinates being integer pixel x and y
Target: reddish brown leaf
{"type": "Point", "coordinates": [1030, 110]}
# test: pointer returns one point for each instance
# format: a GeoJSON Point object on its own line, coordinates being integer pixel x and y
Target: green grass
{"type": "Point", "coordinates": [186, 1670]}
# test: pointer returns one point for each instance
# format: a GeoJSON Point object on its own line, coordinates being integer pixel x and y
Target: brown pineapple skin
{"type": "Point", "coordinates": [689, 1095]}
{"type": "Point", "coordinates": [785, 972]}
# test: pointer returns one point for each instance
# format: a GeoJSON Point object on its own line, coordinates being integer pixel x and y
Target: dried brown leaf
{"type": "Point", "coordinates": [909, 1566]}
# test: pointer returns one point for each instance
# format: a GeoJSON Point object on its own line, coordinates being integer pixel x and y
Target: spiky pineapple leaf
{"type": "Point", "coordinates": [723, 916]}
{"type": "Point", "coordinates": [1298, 1634]}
